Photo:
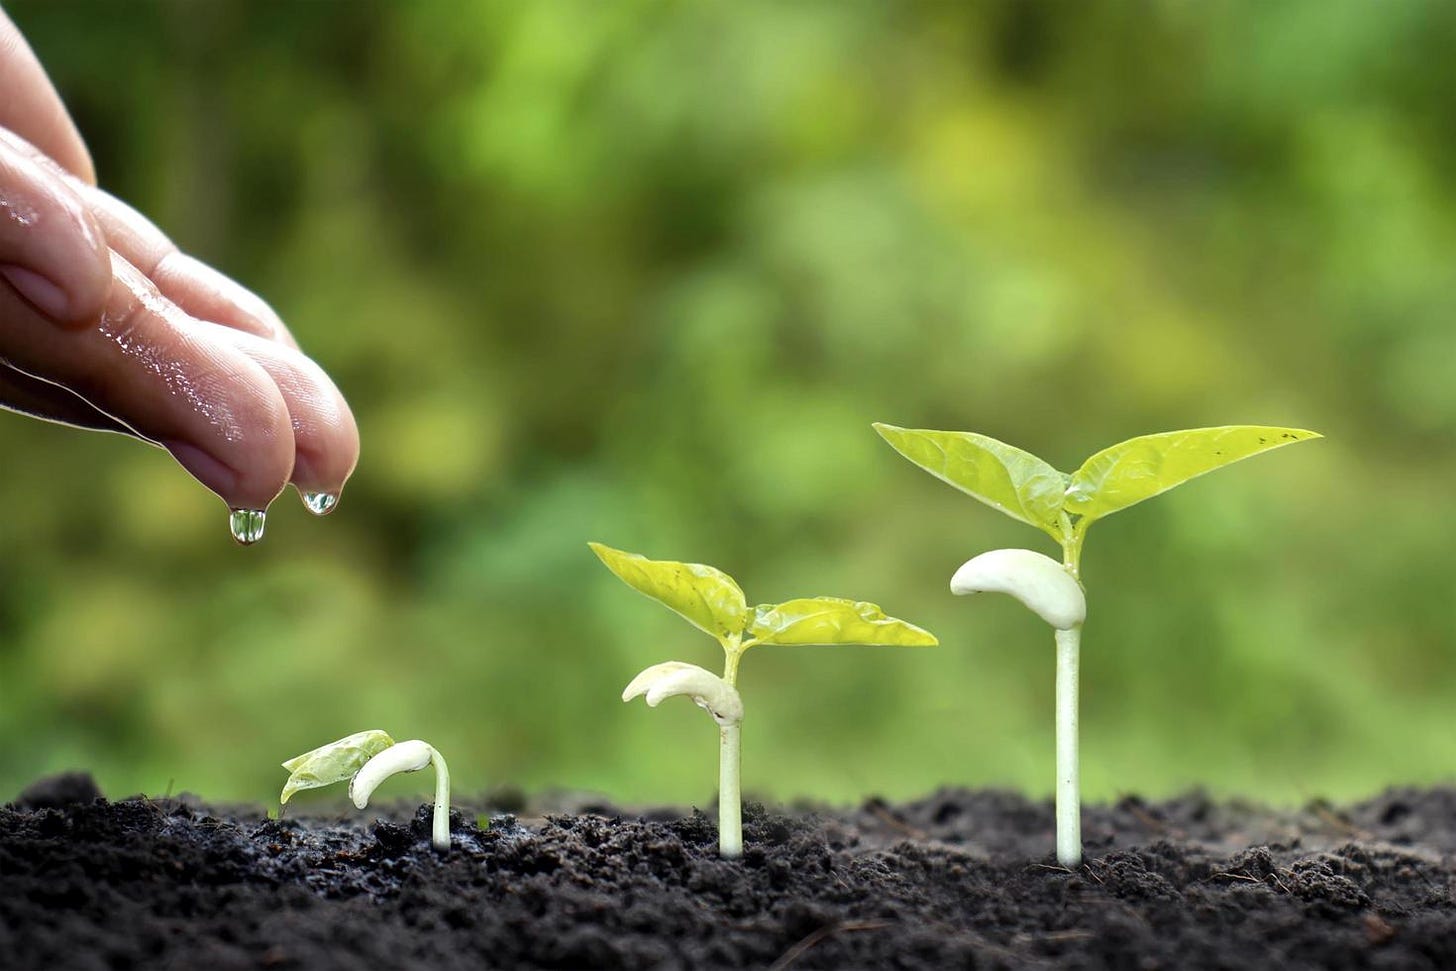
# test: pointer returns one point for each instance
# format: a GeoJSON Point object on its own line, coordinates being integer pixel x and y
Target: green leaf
{"type": "Point", "coordinates": [1003, 477]}
{"type": "Point", "coordinates": [1140, 468]}
{"type": "Point", "coordinates": [831, 620]}
{"type": "Point", "coordinates": [708, 598]}
{"type": "Point", "coordinates": [333, 762]}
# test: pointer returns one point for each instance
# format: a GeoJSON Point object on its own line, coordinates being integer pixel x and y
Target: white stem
{"type": "Point", "coordinates": [730, 798]}
{"type": "Point", "coordinates": [408, 756]}
{"type": "Point", "coordinates": [1069, 808]}
{"type": "Point", "coordinates": [442, 801]}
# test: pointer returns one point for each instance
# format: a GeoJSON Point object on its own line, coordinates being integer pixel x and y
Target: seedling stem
{"type": "Point", "coordinates": [1069, 800]}
{"type": "Point", "coordinates": [1069, 660]}
{"type": "Point", "coordinates": [730, 800]}
{"type": "Point", "coordinates": [730, 761]}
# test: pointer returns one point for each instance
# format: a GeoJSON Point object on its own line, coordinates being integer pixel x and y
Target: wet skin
{"type": "Point", "coordinates": [105, 324]}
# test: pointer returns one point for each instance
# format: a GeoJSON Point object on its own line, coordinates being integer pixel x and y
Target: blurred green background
{"type": "Point", "coordinates": [644, 272]}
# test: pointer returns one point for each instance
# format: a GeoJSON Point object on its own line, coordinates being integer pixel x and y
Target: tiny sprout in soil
{"type": "Point", "coordinates": [711, 601]}
{"type": "Point", "coordinates": [1026, 488]}
{"type": "Point", "coordinates": [366, 759]}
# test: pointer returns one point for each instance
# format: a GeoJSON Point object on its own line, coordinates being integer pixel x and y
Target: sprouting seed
{"type": "Point", "coordinates": [366, 759]}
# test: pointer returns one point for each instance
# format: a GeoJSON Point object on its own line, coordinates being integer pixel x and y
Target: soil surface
{"type": "Point", "coordinates": [962, 879]}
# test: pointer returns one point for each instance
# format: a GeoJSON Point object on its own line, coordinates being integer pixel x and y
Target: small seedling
{"type": "Point", "coordinates": [1024, 487]}
{"type": "Point", "coordinates": [366, 759]}
{"type": "Point", "coordinates": [711, 601]}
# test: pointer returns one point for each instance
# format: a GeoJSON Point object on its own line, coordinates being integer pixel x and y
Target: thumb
{"type": "Point", "coordinates": [52, 252]}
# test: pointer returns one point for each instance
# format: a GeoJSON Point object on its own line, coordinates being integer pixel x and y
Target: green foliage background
{"type": "Point", "coordinates": [644, 272]}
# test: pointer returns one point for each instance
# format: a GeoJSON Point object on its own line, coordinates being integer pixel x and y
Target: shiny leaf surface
{"type": "Point", "coordinates": [1003, 477]}
{"type": "Point", "coordinates": [1140, 468]}
{"type": "Point", "coordinates": [830, 620]}
{"type": "Point", "coordinates": [707, 597]}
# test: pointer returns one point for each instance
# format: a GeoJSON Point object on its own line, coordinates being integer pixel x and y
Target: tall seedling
{"type": "Point", "coordinates": [710, 601]}
{"type": "Point", "coordinates": [1063, 506]}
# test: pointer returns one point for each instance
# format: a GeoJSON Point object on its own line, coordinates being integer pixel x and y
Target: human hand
{"type": "Point", "coordinates": [105, 324]}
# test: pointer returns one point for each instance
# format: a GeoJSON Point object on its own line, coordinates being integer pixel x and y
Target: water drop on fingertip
{"type": "Point", "coordinates": [320, 503]}
{"type": "Point", "coordinates": [246, 525]}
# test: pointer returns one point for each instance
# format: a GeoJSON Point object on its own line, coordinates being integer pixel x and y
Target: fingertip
{"type": "Point", "coordinates": [325, 434]}
{"type": "Point", "coordinates": [253, 489]}
{"type": "Point", "coordinates": [245, 455]}
{"type": "Point", "coordinates": [52, 250]}
{"type": "Point", "coordinates": [325, 459]}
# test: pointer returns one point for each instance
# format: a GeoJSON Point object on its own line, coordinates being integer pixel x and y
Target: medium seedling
{"type": "Point", "coordinates": [366, 759]}
{"type": "Point", "coordinates": [1028, 489]}
{"type": "Point", "coordinates": [709, 600]}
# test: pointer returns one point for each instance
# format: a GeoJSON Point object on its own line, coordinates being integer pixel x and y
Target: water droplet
{"type": "Point", "coordinates": [247, 525]}
{"type": "Point", "coordinates": [320, 503]}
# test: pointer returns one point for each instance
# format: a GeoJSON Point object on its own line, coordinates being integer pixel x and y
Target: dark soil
{"type": "Point", "coordinates": [958, 880]}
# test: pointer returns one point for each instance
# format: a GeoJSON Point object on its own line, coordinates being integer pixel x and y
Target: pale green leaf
{"type": "Point", "coordinates": [1141, 468]}
{"type": "Point", "coordinates": [333, 762]}
{"type": "Point", "coordinates": [708, 598]}
{"type": "Point", "coordinates": [830, 620]}
{"type": "Point", "coordinates": [1000, 475]}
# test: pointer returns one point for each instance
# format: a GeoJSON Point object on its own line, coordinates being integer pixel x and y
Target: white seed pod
{"type": "Point", "coordinates": [1037, 580]}
{"type": "Point", "coordinates": [408, 756]}
{"type": "Point", "coordinates": [708, 691]}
